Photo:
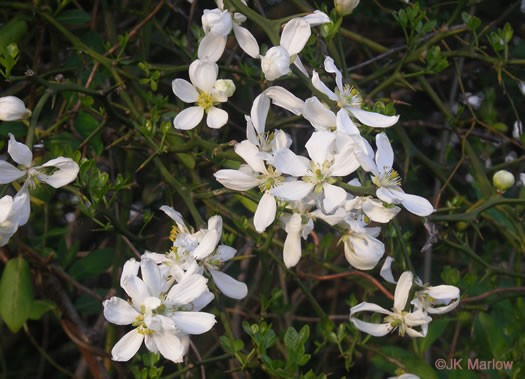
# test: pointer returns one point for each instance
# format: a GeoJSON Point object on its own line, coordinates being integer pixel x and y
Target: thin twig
{"type": "Point", "coordinates": [490, 293]}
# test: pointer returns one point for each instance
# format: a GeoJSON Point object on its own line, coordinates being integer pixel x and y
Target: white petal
{"type": "Point", "coordinates": [170, 346]}
{"type": "Point", "coordinates": [217, 21]}
{"type": "Point", "coordinates": [236, 180]}
{"type": "Point", "coordinates": [202, 301]}
{"type": "Point", "coordinates": [319, 145]}
{"type": "Point", "coordinates": [285, 99]}
{"type": "Point", "coordinates": [246, 41]}
{"type": "Point", "coordinates": [265, 213]}
{"type": "Point", "coordinates": [319, 116]}
{"type": "Point", "coordinates": [188, 118]}
{"type": "Point", "coordinates": [416, 204]}
{"type": "Point", "coordinates": [21, 206]}
{"type": "Point", "coordinates": [330, 67]}
{"type": "Point", "coordinates": [317, 18]}
{"type": "Point", "coordinates": [174, 215]}
{"type": "Point", "coordinates": [332, 219]}
{"type": "Point", "coordinates": [384, 154]}
{"type": "Point", "coordinates": [19, 152]}
{"type": "Point", "coordinates": [66, 173]}
{"type": "Point", "coordinates": [443, 292]}
{"type": "Point", "coordinates": [229, 286]}
{"type": "Point", "coordinates": [373, 119]}
{"type": "Point", "coordinates": [295, 34]}
{"type": "Point", "coordinates": [389, 195]}
{"type": "Point", "coordinates": [259, 112]}
{"type": "Point", "coordinates": [363, 252]}
{"type": "Point", "coordinates": [402, 290]}
{"type": "Point", "coordinates": [151, 276]}
{"type": "Point", "coordinates": [334, 196]}
{"type": "Point", "coordinates": [368, 307]}
{"type": "Point", "coordinates": [344, 163]}
{"type": "Point", "coordinates": [249, 152]}
{"type": "Point", "coordinates": [375, 210]}
{"type": "Point", "coordinates": [9, 173]}
{"type": "Point", "coordinates": [297, 62]}
{"type": "Point", "coordinates": [206, 245]}
{"type": "Point", "coordinates": [224, 253]}
{"type": "Point", "coordinates": [345, 123]}
{"type": "Point", "coordinates": [131, 267]}
{"type": "Point", "coordinates": [12, 109]}
{"type": "Point", "coordinates": [194, 322]}
{"type": "Point", "coordinates": [287, 162]}
{"type": "Point", "coordinates": [205, 75]}
{"type": "Point", "coordinates": [217, 118]}
{"type": "Point", "coordinates": [127, 346]}
{"type": "Point", "coordinates": [136, 289]}
{"type": "Point", "coordinates": [184, 90]}
{"type": "Point", "coordinates": [292, 190]}
{"type": "Point", "coordinates": [6, 204]}
{"type": "Point", "coordinates": [318, 84]}
{"type": "Point", "coordinates": [386, 270]}
{"type": "Point", "coordinates": [376, 330]}
{"type": "Point", "coordinates": [187, 290]}
{"type": "Point", "coordinates": [118, 311]}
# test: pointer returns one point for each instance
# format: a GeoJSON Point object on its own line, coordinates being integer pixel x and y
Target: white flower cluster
{"type": "Point", "coordinates": [427, 300]}
{"type": "Point", "coordinates": [308, 185]}
{"type": "Point", "coordinates": [14, 211]}
{"type": "Point", "coordinates": [166, 301]}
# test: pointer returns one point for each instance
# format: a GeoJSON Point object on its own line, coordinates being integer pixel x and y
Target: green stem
{"type": "Point", "coordinates": [34, 118]}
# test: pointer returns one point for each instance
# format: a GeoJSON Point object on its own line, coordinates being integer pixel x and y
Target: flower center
{"type": "Point", "coordinates": [389, 179]}
{"type": "Point", "coordinates": [269, 180]}
{"type": "Point", "coordinates": [205, 101]}
{"type": "Point", "coordinates": [350, 96]}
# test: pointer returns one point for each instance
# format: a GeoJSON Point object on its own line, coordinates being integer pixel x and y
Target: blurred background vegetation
{"type": "Point", "coordinates": [97, 76]}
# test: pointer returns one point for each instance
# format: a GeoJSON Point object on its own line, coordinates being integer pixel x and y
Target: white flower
{"type": "Point", "coordinates": [277, 60]}
{"type": "Point", "coordinates": [11, 215]}
{"type": "Point", "coordinates": [350, 99]}
{"type": "Point", "coordinates": [67, 170]}
{"type": "Point", "coordinates": [202, 91]}
{"type": "Point", "coordinates": [217, 24]}
{"type": "Point", "coordinates": [345, 7]}
{"type": "Point", "coordinates": [406, 375]}
{"type": "Point", "coordinates": [317, 18]}
{"type": "Point", "coordinates": [362, 249]}
{"type": "Point", "coordinates": [398, 318]}
{"type": "Point", "coordinates": [13, 109]}
{"type": "Point", "coordinates": [388, 181]}
{"type": "Point", "coordinates": [437, 300]}
{"type": "Point", "coordinates": [318, 175]}
{"type": "Point", "coordinates": [158, 317]}
{"type": "Point", "coordinates": [295, 229]}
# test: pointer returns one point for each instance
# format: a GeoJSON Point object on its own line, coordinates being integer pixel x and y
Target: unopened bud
{"type": "Point", "coordinates": [345, 7]}
{"type": "Point", "coordinates": [503, 180]}
{"type": "Point", "coordinates": [225, 86]}
{"type": "Point", "coordinates": [13, 109]}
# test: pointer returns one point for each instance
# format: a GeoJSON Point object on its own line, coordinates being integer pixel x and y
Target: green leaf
{"type": "Point", "coordinates": [248, 204]}
{"type": "Point", "coordinates": [435, 330]}
{"type": "Point", "coordinates": [74, 17]}
{"type": "Point", "coordinates": [85, 124]}
{"type": "Point", "coordinates": [16, 293]}
{"type": "Point", "coordinates": [94, 264]}
{"type": "Point", "coordinates": [493, 333]}
{"type": "Point", "coordinates": [39, 307]}
{"type": "Point", "coordinates": [291, 338]}
{"type": "Point", "coordinates": [227, 345]}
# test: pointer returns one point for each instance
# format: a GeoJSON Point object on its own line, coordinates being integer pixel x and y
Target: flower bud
{"type": "Point", "coordinates": [13, 109]}
{"type": "Point", "coordinates": [217, 22]}
{"type": "Point", "coordinates": [275, 63]}
{"type": "Point", "coordinates": [503, 180]}
{"type": "Point", "coordinates": [345, 7]}
{"type": "Point", "coordinates": [225, 86]}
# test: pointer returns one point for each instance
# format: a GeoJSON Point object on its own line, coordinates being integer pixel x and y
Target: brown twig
{"type": "Point", "coordinates": [346, 274]}
{"type": "Point", "coordinates": [490, 293]}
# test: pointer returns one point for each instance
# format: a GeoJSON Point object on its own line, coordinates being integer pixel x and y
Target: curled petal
{"type": "Point", "coordinates": [211, 47]}
{"type": "Point", "coordinates": [229, 286]}
{"type": "Point", "coordinates": [402, 290]}
{"type": "Point", "coordinates": [319, 116]}
{"type": "Point", "coordinates": [119, 311]}
{"type": "Point", "coordinates": [66, 173]}
{"type": "Point", "coordinates": [372, 118]}
{"type": "Point", "coordinates": [265, 213]}
{"type": "Point", "coordinates": [285, 99]}
{"type": "Point", "coordinates": [19, 152]}
{"type": "Point", "coordinates": [295, 35]}
{"type": "Point", "coordinates": [316, 81]}
{"type": "Point", "coordinates": [249, 152]}
{"type": "Point", "coordinates": [236, 179]}
{"type": "Point", "coordinates": [246, 41]}
{"type": "Point", "coordinates": [386, 270]}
